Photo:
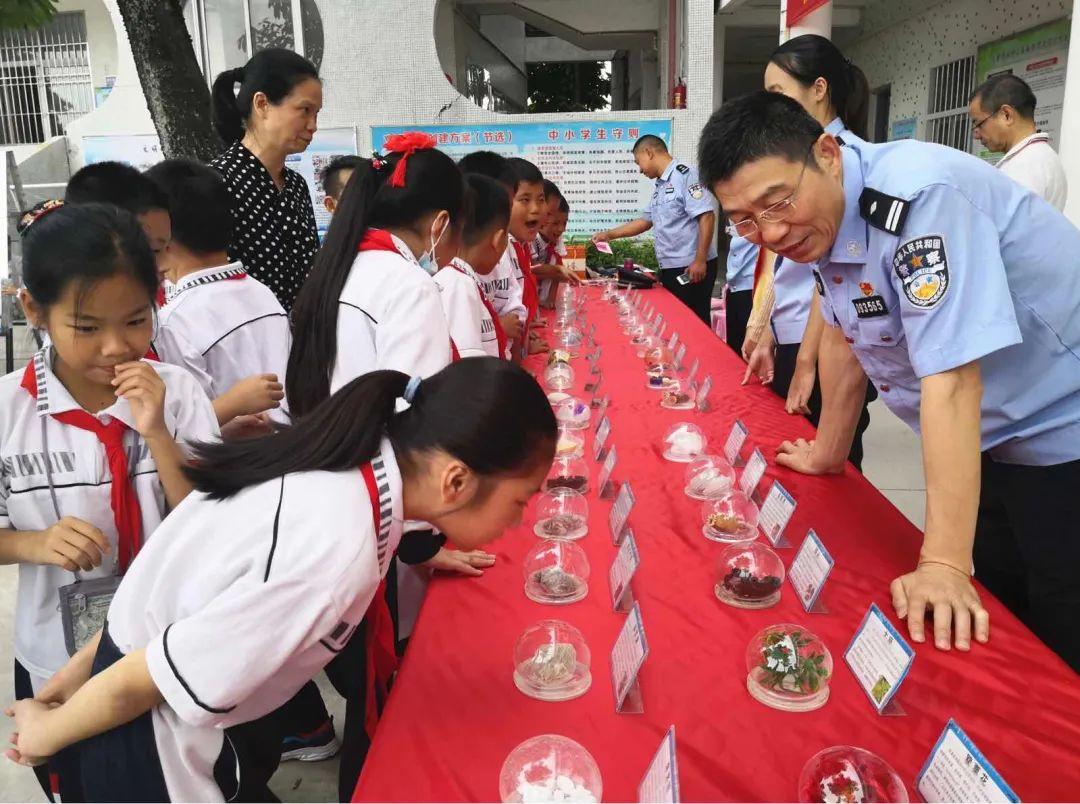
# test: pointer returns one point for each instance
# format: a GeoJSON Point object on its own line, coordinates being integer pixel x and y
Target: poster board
{"type": "Point", "coordinates": [590, 161]}
{"type": "Point", "coordinates": [1039, 56]}
{"type": "Point", "coordinates": [143, 150]}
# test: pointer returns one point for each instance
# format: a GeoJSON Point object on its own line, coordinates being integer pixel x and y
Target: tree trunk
{"type": "Point", "coordinates": [175, 89]}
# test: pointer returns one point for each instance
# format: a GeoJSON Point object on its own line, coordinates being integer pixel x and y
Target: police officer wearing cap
{"type": "Point", "coordinates": [955, 291]}
{"type": "Point", "coordinates": [683, 213]}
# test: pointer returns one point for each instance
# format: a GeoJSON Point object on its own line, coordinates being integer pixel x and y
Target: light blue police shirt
{"type": "Point", "coordinates": [678, 200]}
{"type": "Point", "coordinates": [741, 259]}
{"type": "Point", "coordinates": [793, 282]}
{"type": "Point", "coordinates": [951, 262]}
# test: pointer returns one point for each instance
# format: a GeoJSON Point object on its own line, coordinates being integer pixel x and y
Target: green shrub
{"type": "Point", "coordinates": [642, 251]}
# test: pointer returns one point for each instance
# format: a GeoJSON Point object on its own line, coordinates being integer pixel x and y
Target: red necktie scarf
{"type": "Point", "coordinates": [530, 293]}
{"type": "Point", "coordinates": [381, 657]}
{"type": "Point", "coordinates": [127, 515]}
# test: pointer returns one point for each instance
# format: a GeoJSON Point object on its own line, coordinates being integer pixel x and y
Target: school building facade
{"type": "Point", "coordinates": [428, 62]}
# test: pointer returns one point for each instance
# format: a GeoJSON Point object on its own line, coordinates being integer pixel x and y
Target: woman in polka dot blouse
{"type": "Point", "coordinates": [273, 115]}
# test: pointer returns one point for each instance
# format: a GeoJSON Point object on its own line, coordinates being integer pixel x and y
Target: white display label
{"type": "Point", "coordinates": [628, 655]}
{"type": "Point", "coordinates": [680, 356]}
{"type": "Point", "coordinates": [776, 512]}
{"type": "Point", "coordinates": [674, 340]}
{"type": "Point", "coordinates": [752, 472]}
{"type": "Point", "coordinates": [661, 782]}
{"type": "Point", "coordinates": [602, 433]}
{"type": "Point", "coordinates": [879, 657]}
{"type": "Point", "coordinates": [623, 568]}
{"type": "Point", "coordinates": [957, 771]}
{"type": "Point", "coordinates": [703, 393]}
{"type": "Point", "coordinates": [693, 371]}
{"type": "Point", "coordinates": [810, 569]}
{"type": "Point", "coordinates": [620, 511]}
{"type": "Point", "coordinates": [606, 470]}
{"type": "Point", "coordinates": [735, 440]}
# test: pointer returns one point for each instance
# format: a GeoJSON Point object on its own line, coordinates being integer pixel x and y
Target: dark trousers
{"type": "Point", "coordinates": [1027, 548]}
{"type": "Point", "coordinates": [61, 772]}
{"type": "Point", "coordinates": [784, 373]}
{"type": "Point", "coordinates": [695, 295]}
{"type": "Point", "coordinates": [737, 310]}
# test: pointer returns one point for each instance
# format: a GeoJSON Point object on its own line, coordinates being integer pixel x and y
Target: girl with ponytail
{"type": "Point", "coordinates": [265, 111]}
{"type": "Point", "coordinates": [262, 575]}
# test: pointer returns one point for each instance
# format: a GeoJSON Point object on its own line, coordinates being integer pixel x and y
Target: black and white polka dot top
{"type": "Point", "coordinates": [274, 234]}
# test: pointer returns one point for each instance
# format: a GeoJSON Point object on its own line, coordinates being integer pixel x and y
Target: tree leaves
{"type": "Point", "coordinates": [26, 13]}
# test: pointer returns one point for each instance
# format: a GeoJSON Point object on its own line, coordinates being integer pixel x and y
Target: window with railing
{"type": "Point", "coordinates": [947, 121]}
{"type": "Point", "coordinates": [45, 79]}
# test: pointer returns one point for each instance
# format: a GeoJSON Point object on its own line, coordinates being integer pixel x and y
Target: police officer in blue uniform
{"type": "Point", "coordinates": [741, 260]}
{"type": "Point", "coordinates": [955, 290]}
{"type": "Point", "coordinates": [682, 213]}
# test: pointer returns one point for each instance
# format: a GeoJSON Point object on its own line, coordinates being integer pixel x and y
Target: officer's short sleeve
{"type": "Point", "coordinates": [646, 214]}
{"type": "Point", "coordinates": [954, 298]}
{"type": "Point", "coordinates": [697, 200]}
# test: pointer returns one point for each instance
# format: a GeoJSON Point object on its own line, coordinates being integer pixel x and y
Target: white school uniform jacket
{"type": "Point", "coordinates": [233, 627]}
{"type": "Point", "coordinates": [1033, 163]}
{"type": "Point", "coordinates": [470, 322]}
{"type": "Point", "coordinates": [389, 317]}
{"type": "Point", "coordinates": [223, 325]}
{"type": "Point", "coordinates": [37, 451]}
{"type": "Point", "coordinates": [504, 286]}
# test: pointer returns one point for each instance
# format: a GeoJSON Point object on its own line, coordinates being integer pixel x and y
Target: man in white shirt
{"type": "Point", "coordinates": [1002, 111]}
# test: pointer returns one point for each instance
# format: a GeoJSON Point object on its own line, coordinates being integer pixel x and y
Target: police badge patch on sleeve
{"type": "Point", "coordinates": [695, 191]}
{"type": "Point", "coordinates": [921, 266]}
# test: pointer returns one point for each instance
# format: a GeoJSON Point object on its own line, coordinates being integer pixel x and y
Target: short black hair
{"type": "Point", "coordinates": [199, 204]}
{"type": "Point", "coordinates": [752, 127]}
{"type": "Point", "coordinates": [489, 208]}
{"type": "Point", "coordinates": [1002, 89]}
{"type": "Point", "coordinates": [551, 190]}
{"type": "Point", "coordinates": [490, 164]}
{"type": "Point", "coordinates": [650, 141]}
{"type": "Point", "coordinates": [331, 175]}
{"type": "Point", "coordinates": [117, 184]}
{"type": "Point", "coordinates": [524, 172]}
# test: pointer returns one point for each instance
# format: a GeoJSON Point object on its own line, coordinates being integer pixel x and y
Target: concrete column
{"type": "Point", "coordinates": [1069, 147]}
{"type": "Point", "coordinates": [719, 31]}
{"type": "Point", "coordinates": [818, 21]}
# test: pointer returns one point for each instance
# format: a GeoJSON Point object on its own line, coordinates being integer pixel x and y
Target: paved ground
{"type": "Point", "coordinates": [892, 463]}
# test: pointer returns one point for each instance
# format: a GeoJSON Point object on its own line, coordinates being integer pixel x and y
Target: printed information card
{"type": "Point", "coordinates": [879, 657]}
{"type": "Point", "coordinates": [809, 571]}
{"type": "Point", "coordinates": [605, 471]}
{"type": "Point", "coordinates": [693, 370]}
{"type": "Point", "coordinates": [600, 441]}
{"type": "Point", "coordinates": [627, 657]}
{"type": "Point", "coordinates": [661, 782]}
{"type": "Point", "coordinates": [620, 511]}
{"type": "Point", "coordinates": [776, 512]}
{"type": "Point", "coordinates": [674, 340]}
{"type": "Point", "coordinates": [957, 771]}
{"type": "Point", "coordinates": [703, 394]}
{"type": "Point", "coordinates": [622, 572]}
{"type": "Point", "coordinates": [735, 440]}
{"type": "Point", "coordinates": [751, 475]}
{"type": "Point", "coordinates": [680, 355]}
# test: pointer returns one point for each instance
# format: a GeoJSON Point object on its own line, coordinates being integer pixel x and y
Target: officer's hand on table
{"type": "Point", "coordinates": [472, 562]}
{"type": "Point", "coordinates": [761, 364]}
{"type": "Point", "coordinates": [802, 386]}
{"type": "Point", "coordinates": [696, 271]}
{"type": "Point", "coordinates": [950, 596]}
{"type": "Point", "coordinates": [799, 455]}
{"type": "Point", "coordinates": [748, 346]}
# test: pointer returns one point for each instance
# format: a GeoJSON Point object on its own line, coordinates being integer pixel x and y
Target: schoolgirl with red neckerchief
{"type": "Point", "coordinates": [90, 434]}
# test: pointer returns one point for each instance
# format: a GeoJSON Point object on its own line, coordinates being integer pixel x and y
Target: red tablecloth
{"type": "Point", "coordinates": [455, 713]}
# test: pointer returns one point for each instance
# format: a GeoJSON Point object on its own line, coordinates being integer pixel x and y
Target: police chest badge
{"type": "Point", "coordinates": [923, 270]}
{"type": "Point", "coordinates": [695, 191]}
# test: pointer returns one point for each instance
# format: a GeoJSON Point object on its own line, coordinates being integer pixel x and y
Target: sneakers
{"type": "Point", "coordinates": [313, 746]}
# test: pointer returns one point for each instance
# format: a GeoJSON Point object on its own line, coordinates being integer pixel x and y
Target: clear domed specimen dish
{"type": "Point", "coordinates": [556, 573]}
{"type": "Point", "coordinates": [788, 668]}
{"type": "Point", "coordinates": [551, 662]}
{"type": "Point", "coordinates": [562, 513]}
{"type": "Point", "coordinates": [749, 576]}
{"type": "Point", "coordinates": [550, 768]}
{"type": "Point", "coordinates": [845, 773]}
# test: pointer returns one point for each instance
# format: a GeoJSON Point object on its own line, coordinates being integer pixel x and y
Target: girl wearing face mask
{"type": "Point", "coordinates": [372, 303]}
{"type": "Point", "coordinates": [290, 534]}
{"type": "Point", "coordinates": [267, 110]}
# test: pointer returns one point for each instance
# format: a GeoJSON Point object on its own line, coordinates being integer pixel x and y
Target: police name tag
{"type": "Point", "coordinates": [602, 433]}
{"type": "Point", "coordinates": [620, 511]}
{"type": "Point", "coordinates": [605, 471]}
{"type": "Point", "coordinates": [870, 307]}
{"type": "Point", "coordinates": [776, 512]}
{"type": "Point", "coordinates": [735, 440]}
{"type": "Point", "coordinates": [626, 563]}
{"type": "Point", "coordinates": [627, 657]}
{"type": "Point", "coordinates": [755, 468]}
{"type": "Point", "coordinates": [703, 394]}
{"type": "Point", "coordinates": [661, 782]}
{"type": "Point", "coordinates": [880, 659]}
{"type": "Point", "coordinates": [674, 340]}
{"type": "Point", "coordinates": [957, 771]}
{"type": "Point", "coordinates": [809, 571]}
